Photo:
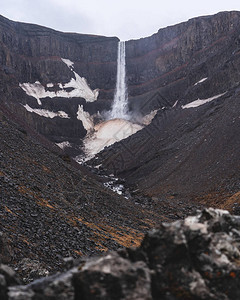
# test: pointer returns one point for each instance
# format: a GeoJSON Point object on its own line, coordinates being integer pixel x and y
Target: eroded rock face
{"type": "Point", "coordinates": [197, 258]}
{"type": "Point", "coordinates": [32, 54]}
{"type": "Point", "coordinates": [167, 66]}
{"type": "Point", "coordinates": [191, 148]}
{"type": "Point", "coordinates": [162, 69]}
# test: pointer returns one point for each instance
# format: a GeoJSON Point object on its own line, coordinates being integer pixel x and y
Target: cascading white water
{"type": "Point", "coordinates": [120, 102]}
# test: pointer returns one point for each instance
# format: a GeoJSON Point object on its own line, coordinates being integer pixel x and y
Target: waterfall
{"type": "Point", "coordinates": [120, 103]}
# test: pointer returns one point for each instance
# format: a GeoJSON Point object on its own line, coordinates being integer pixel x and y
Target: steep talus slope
{"type": "Point", "coordinates": [53, 208]}
{"type": "Point", "coordinates": [184, 153]}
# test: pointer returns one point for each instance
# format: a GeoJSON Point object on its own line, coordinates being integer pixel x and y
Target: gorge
{"type": "Point", "coordinates": [172, 142]}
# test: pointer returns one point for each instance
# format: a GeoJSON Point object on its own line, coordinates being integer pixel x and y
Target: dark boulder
{"type": "Point", "coordinates": [192, 259]}
{"type": "Point", "coordinates": [112, 277]}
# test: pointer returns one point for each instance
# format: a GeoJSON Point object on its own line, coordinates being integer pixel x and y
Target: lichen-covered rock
{"type": "Point", "coordinates": [194, 259]}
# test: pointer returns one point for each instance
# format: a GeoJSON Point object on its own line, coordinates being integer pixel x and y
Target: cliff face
{"type": "Point", "coordinates": [169, 63]}
{"type": "Point", "coordinates": [31, 53]}
{"type": "Point", "coordinates": [161, 70]}
{"type": "Point", "coordinates": [191, 148]}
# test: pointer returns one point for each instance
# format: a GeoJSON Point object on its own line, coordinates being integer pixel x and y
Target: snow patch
{"type": "Point", "coordinates": [35, 90]}
{"type": "Point", "coordinates": [175, 104]}
{"type": "Point", "coordinates": [85, 117]}
{"type": "Point", "coordinates": [200, 81]}
{"type": "Point", "coordinates": [63, 145]}
{"type": "Point", "coordinates": [148, 118]}
{"type": "Point", "coordinates": [106, 134]}
{"type": "Point", "coordinates": [47, 113]}
{"type": "Point", "coordinates": [193, 224]}
{"type": "Point", "coordinates": [68, 62]}
{"type": "Point", "coordinates": [79, 85]}
{"type": "Point", "coordinates": [200, 102]}
{"type": "Point", "coordinates": [49, 85]}
{"type": "Point", "coordinates": [80, 89]}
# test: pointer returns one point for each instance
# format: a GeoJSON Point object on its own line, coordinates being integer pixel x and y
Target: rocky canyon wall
{"type": "Point", "coordinates": [190, 150]}
{"type": "Point", "coordinates": [31, 53]}
{"type": "Point", "coordinates": [161, 69]}
{"type": "Point", "coordinates": [165, 66]}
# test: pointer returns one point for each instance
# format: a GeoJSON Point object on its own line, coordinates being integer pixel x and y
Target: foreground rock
{"type": "Point", "coordinates": [197, 258]}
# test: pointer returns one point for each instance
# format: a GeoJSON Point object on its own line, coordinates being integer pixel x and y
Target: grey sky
{"type": "Point", "coordinates": [126, 19]}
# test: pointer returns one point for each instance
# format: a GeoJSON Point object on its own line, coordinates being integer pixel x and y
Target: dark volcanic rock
{"type": "Point", "coordinates": [185, 153]}
{"type": "Point", "coordinates": [197, 258]}
{"type": "Point", "coordinates": [30, 53]}
{"type": "Point", "coordinates": [164, 67]}
{"type": "Point", "coordinates": [161, 69]}
{"type": "Point", "coordinates": [52, 208]}
{"type": "Point", "coordinates": [38, 50]}
{"type": "Point", "coordinates": [112, 277]}
{"type": "Point", "coordinates": [5, 249]}
{"type": "Point", "coordinates": [7, 278]}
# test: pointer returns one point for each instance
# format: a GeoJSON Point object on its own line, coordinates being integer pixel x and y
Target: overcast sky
{"type": "Point", "coordinates": [127, 19]}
